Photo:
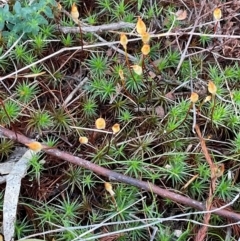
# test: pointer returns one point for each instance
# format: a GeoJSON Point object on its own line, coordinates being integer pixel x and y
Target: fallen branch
{"type": "Point", "coordinates": [100, 28]}
{"type": "Point", "coordinates": [84, 28]}
{"type": "Point", "coordinates": [114, 176]}
{"type": "Point", "coordinates": [11, 195]}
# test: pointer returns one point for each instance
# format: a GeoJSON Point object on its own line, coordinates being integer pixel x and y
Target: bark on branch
{"type": "Point", "coordinates": [114, 176]}
{"type": "Point", "coordinates": [99, 28]}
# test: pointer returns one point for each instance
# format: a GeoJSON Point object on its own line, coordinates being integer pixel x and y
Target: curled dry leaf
{"type": "Point", "coordinates": [217, 14]}
{"type": "Point", "coordinates": [35, 146]}
{"type": "Point", "coordinates": [108, 187]}
{"type": "Point", "coordinates": [100, 123]}
{"type": "Point", "coordinates": [181, 14]}
{"type": "Point", "coordinates": [219, 170]}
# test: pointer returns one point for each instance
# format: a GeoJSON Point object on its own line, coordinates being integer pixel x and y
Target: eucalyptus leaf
{"type": "Point", "coordinates": [48, 12]}
{"type": "Point", "coordinates": [17, 7]}
{"type": "Point", "coordinates": [2, 23]}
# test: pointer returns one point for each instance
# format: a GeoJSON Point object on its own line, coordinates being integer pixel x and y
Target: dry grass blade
{"type": "Point", "coordinates": [202, 232]}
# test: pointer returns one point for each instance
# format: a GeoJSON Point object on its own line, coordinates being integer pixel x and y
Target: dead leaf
{"type": "Point", "coordinates": [160, 111]}
{"type": "Point", "coordinates": [219, 170]}
{"type": "Point", "coordinates": [181, 14]}
{"type": "Point", "coordinates": [170, 96]}
{"type": "Point", "coordinates": [152, 75]}
{"type": "Point", "coordinates": [109, 52]}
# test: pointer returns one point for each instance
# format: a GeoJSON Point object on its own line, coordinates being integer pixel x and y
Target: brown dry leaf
{"type": "Point", "coordinates": [181, 14]}
{"type": "Point", "coordinates": [152, 75]}
{"type": "Point", "coordinates": [109, 52]}
{"type": "Point", "coordinates": [170, 96]}
{"type": "Point", "coordinates": [219, 170]}
{"type": "Point", "coordinates": [110, 237]}
{"type": "Point", "coordinates": [160, 111]}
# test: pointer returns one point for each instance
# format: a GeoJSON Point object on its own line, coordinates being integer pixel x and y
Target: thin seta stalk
{"type": "Point", "coordinates": [193, 98]}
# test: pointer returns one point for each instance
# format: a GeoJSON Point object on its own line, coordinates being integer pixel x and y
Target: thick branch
{"type": "Point", "coordinates": [120, 177]}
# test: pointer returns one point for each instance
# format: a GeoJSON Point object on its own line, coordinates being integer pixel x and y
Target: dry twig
{"type": "Point", "coordinates": [202, 232]}
{"type": "Point", "coordinates": [99, 28]}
